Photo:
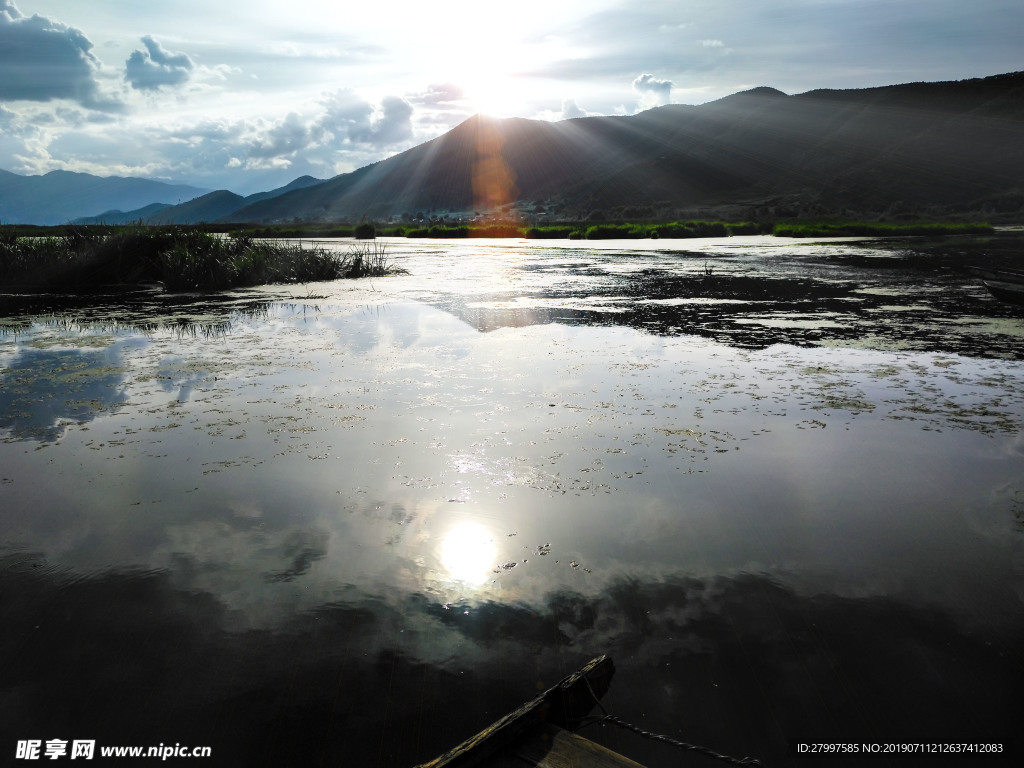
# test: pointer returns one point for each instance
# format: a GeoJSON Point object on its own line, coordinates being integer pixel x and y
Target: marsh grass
{"type": "Point", "coordinates": [878, 228]}
{"type": "Point", "coordinates": [627, 231]}
{"type": "Point", "coordinates": [601, 231]}
{"type": "Point", "coordinates": [180, 259]}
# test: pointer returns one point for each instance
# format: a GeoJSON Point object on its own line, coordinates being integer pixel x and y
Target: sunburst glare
{"type": "Point", "coordinates": [468, 553]}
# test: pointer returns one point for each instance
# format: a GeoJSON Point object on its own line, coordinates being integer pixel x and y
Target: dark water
{"type": "Point", "coordinates": [781, 485]}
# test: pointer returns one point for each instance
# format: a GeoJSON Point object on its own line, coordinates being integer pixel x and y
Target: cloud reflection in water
{"type": "Point", "coordinates": [270, 524]}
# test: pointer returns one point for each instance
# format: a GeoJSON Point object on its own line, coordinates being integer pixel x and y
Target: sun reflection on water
{"type": "Point", "coordinates": [468, 553]}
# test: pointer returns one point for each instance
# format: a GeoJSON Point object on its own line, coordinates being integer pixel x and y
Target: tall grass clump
{"type": "Point", "coordinates": [33, 259]}
{"type": "Point", "coordinates": [207, 262]}
{"type": "Point", "coordinates": [369, 259]}
{"type": "Point", "coordinates": [180, 259]}
{"type": "Point", "coordinates": [365, 231]}
{"type": "Point", "coordinates": [72, 258]}
{"type": "Point", "coordinates": [555, 232]}
{"type": "Point", "coordinates": [614, 232]}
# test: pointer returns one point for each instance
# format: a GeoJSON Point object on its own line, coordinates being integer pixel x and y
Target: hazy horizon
{"type": "Point", "coordinates": [250, 97]}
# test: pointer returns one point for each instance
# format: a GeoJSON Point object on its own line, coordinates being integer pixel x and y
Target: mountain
{"type": "Point", "coordinates": [120, 217]}
{"type": "Point", "coordinates": [944, 148]}
{"type": "Point", "coordinates": [61, 196]}
{"type": "Point", "coordinates": [207, 208]}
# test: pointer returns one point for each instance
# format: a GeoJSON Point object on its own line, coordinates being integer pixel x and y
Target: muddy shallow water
{"type": "Point", "coordinates": [781, 484]}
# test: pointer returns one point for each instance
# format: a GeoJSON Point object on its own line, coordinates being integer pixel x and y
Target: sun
{"type": "Point", "coordinates": [497, 95]}
{"type": "Point", "coordinates": [468, 552]}
{"type": "Point", "coordinates": [490, 53]}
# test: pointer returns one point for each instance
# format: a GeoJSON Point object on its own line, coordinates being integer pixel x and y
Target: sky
{"type": "Point", "coordinates": [248, 95]}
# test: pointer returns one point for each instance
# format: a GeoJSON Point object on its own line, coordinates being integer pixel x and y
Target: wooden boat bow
{"type": "Point", "coordinates": [562, 706]}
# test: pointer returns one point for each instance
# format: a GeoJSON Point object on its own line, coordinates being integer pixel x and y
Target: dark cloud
{"type": "Point", "coordinates": [42, 60]}
{"type": "Point", "coordinates": [156, 67]}
{"type": "Point", "coordinates": [350, 118]}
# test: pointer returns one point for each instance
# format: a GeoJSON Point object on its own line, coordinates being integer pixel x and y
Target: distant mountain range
{"type": "Point", "coordinates": [214, 206]}
{"type": "Point", "coordinates": [59, 197]}
{"type": "Point", "coordinates": [921, 148]}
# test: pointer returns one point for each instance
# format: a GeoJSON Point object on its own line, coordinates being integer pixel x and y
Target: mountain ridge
{"type": "Point", "coordinates": [944, 148]}
{"type": "Point", "coordinates": [212, 206]}
{"type": "Point", "coordinates": [928, 148]}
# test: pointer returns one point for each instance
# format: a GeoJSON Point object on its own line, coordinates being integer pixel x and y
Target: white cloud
{"type": "Point", "coordinates": [439, 94]}
{"type": "Point", "coordinates": [653, 91]}
{"type": "Point", "coordinates": [156, 67]}
{"type": "Point", "coordinates": [648, 83]}
{"type": "Point", "coordinates": [9, 11]}
{"type": "Point", "coordinates": [571, 109]}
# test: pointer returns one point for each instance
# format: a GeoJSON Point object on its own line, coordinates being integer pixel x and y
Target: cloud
{"type": "Point", "coordinates": [286, 138]}
{"type": "Point", "coordinates": [648, 83]}
{"type": "Point", "coordinates": [350, 118]}
{"type": "Point", "coordinates": [438, 94]}
{"type": "Point", "coordinates": [156, 67]}
{"type": "Point", "coordinates": [394, 123]}
{"type": "Point", "coordinates": [40, 412]}
{"type": "Point", "coordinates": [9, 11]}
{"type": "Point", "coordinates": [345, 131]}
{"type": "Point", "coordinates": [43, 60]}
{"type": "Point", "coordinates": [347, 115]}
{"type": "Point", "coordinates": [571, 109]}
{"type": "Point", "coordinates": [653, 91]}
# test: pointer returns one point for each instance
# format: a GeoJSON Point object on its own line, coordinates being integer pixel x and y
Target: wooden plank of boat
{"type": "Point", "coordinates": [535, 734]}
{"type": "Point", "coordinates": [1006, 275]}
{"type": "Point", "coordinates": [1006, 291]}
{"type": "Point", "coordinates": [548, 746]}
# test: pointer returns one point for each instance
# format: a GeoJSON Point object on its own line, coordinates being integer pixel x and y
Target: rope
{"type": "Point", "coordinates": [606, 718]}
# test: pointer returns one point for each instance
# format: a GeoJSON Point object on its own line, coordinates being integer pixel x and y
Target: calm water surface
{"type": "Point", "coordinates": [351, 523]}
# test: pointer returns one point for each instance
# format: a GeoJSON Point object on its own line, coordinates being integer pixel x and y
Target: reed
{"type": "Point", "coordinates": [180, 259]}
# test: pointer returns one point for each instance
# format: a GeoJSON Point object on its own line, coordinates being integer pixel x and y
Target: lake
{"type": "Point", "coordinates": [781, 484]}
